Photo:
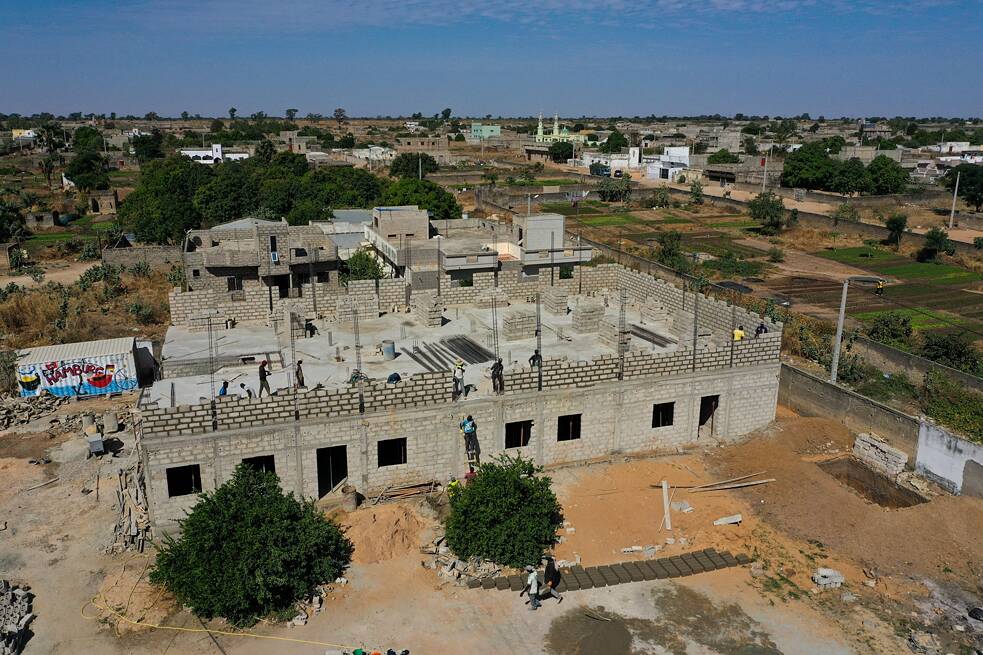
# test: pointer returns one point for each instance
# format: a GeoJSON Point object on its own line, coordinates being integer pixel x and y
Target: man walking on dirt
{"type": "Point", "coordinates": [531, 588]}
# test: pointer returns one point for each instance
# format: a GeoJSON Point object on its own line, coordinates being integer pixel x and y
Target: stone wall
{"type": "Point", "coordinates": [877, 454]}
{"type": "Point", "coordinates": [157, 257]}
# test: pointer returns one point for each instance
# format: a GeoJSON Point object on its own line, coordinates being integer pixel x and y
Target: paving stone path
{"type": "Point", "coordinates": [579, 577]}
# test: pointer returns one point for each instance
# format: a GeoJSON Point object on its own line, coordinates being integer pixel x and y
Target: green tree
{"type": "Point", "coordinates": [508, 513]}
{"type": "Point", "coordinates": [290, 114]}
{"type": "Point", "coordinates": [88, 170]}
{"type": "Point", "coordinates": [231, 193]}
{"type": "Point", "coordinates": [887, 176]}
{"type": "Point", "coordinates": [891, 328]}
{"type": "Point", "coordinates": [410, 164]}
{"type": "Point", "coordinates": [561, 151]}
{"type": "Point", "coordinates": [809, 167]}
{"type": "Point", "coordinates": [11, 221]}
{"type": "Point", "coordinates": [232, 113]}
{"type": "Point", "coordinates": [426, 194]}
{"type": "Point", "coordinates": [846, 212]}
{"type": "Point", "coordinates": [723, 156]}
{"type": "Point", "coordinates": [446, 113]}
{"type": "Point", "coordinates": [147, 147]}
{"type": "Point", "coordinates": [750, 147]}
{"type": "Point", "coordinates": [896, 224]}
{"type": "Point", "coordinates": [936, 242]}
{"type": "Point", "coordinates": [614, 143]}
{"type": "Point", "coordinates": [361, 266]}
{"type": "Point", "coordinates": [850, 177]}
{"type": "Point", "coordinates": [248, 550]}
{"type": "Point", "coordinates": [340, 115]}
{"type": "Point", "coordinates": [660, 198]}
{"type": "Point", "coordinates": [265, 151]}
{"type": "Point", "coordinates": [952, 350]}
{"type": "Point", "coordinates": [696, 192]}
{"type": "Point", "coordinates": [970, 183]}
{"type": "Point", "coordinates": [671, 251]}
{"type": "Point", "coordinates": [769, 210]}
{"type": "Point", "coordinates": [161, 208]}
{"type": "Point", "coordinates": [87, 138]}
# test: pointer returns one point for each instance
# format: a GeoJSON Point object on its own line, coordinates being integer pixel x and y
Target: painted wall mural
{"type": "Point", "coordinates": [79, 377]}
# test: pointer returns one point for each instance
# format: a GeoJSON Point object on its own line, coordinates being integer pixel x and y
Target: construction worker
{"type": "Point", "coordinates": [470, 431]}
{"type": "Point", "coordinates": [299, 372]}
{"type": "Point", "coordinates": [264, 372]}
{"type": "Point", "coordinates": [761, 329]}
{"type": "Point", "coordinates": [551, 578]}
{"type": "Point", "coordinates": [224, 391]}
{"type": "Point", "coordinates": [536, 359]}
{"type": "Point", "coordinates": [458, 379]}
{"type": "Point", "coordinates": [739, 333]}
{"type": "Point", "coordinates": [498, 376]}
{"type": "Point", "coordinates": [531, 588]}
{"type": "Point", "coordinates": [879, 289]}
{"type": "Point", "coordinates": [244, 391]}
{"type": "Point", "coordinates": [453, 487]}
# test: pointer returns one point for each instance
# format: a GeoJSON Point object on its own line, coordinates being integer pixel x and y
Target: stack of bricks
{"type": "Point", "coordinates": [555, 300]}
{"type": "Point", "coordinates": [875, 453]}
{"type": "Point", "coordinates": [519, 324]}
{"type": "Point", "coordinates": [609, 333]}
{"type": "Point", "coordinates": [484, 298]}
{"type": "Point", "coordinates": [15, 617]}
{"type": "Point", "coordinates": [427, 308]}
{"type": "Point", "coordinates": [587, 315]}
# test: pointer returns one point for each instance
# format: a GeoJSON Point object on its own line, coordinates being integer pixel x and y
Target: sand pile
{"type": "Point", "coordinates": [128, 592]}
{"type": "Point", "coordinates": [383, 532]}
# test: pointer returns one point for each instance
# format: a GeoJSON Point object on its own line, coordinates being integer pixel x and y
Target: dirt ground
{"type": "Point", "coordinates": [921, 560]}
{"type": "Point", "coordinates": [65, 272]}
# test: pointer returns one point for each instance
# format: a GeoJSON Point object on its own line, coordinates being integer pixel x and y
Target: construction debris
{"type": "Point", "coordinates": [456, 570]}
{"type": "Point", "coordinates": [729, 520]}
{"type": "Point", "coordinates": [406, 491]}
{"type": "Point", "coordinates": [738, 485]}
{"type": "Point", "coordinates": [21, 411]}
{"type": "Point", "coordinates": [828, 578]}
{"type": "Point", "coordinates": [132, 529]}
{"type": "Point", "coordinates": [15, 617]}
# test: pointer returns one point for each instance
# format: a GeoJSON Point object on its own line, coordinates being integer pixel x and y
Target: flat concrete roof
{"type": "Point", "coordinates": [329, 357]}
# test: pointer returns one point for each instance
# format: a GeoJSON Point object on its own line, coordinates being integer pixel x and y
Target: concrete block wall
{"type": "Point", "coordinates": [157, 257]}
{"type": "Point", "coordinates": [232, 412]}
{"type": "Point", "coordinates": [616, 417]}
{"type": "Point", "coordinates": [877, 454]}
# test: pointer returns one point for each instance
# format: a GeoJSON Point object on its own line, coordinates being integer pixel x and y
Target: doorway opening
{"type": "Point", "coordinates": [332, 468]}
{"type": "Point", "coordinates": [708, 410]}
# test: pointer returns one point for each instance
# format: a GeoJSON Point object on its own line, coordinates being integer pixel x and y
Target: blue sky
{"type": "Point", "coordinates": [503, 57]}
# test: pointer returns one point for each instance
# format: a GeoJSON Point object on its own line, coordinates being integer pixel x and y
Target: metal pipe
{"type": "Point", "coordinates": [839, 333]}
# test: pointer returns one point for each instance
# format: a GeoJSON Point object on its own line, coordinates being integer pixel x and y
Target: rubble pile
{"type": "Point", "coordinates": [21, 411]}
{"type": "Point", "coordinates": [15, 616]}
{"type": "Point", "coordinates": [455, 570]}
{"type": "Point", "coordinates": [307, 608]}
{"type": "Point", "coordinates": [132, 529]}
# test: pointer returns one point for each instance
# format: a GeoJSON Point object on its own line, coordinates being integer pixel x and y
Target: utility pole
{"type": "Point", "coordinates": [839, 333]}
{"type": "Point", "coordinates": [419, 165]}
{"type": "Point", "coordinates": [955, 191]}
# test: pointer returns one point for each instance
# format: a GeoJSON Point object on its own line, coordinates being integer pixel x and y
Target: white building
{"type": "Point", "coordinates": [374, 153]}
{"type": "Point", "coordinates": [670, 164]}
{"type": "Point", "coordinates": [214, 155]}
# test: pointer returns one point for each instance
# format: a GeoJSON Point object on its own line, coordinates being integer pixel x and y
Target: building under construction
{"type": "Point", "coordinates": [630, 363]}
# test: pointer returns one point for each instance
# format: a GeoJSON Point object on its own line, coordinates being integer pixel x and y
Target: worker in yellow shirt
{"type": "Point", "coordinates": [739, 333]}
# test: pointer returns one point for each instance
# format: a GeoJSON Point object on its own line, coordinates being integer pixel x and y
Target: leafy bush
{"type": "Point", "coordinates": [846, 212]}
{"type": "Point", "coordinates": [936, 242]}
{"type": "Point", "coordinates": [954, 351]}
{"type": "Point", "coordinates": [695, 192]}
{"type": "Point", "coordinates": [175, 276]}
{"type": "Point", "coordinates": [140, 269]}
{"type": "Point", "coordinates": [776, 254]}
{"type": "Point", "coordinates": [144, 314]}
{"type": "Point", "coordinates": [361, 266]}
{"type": "Point", "coordinates": [768, 209]}
{"type": "Point", "coordinates": [953, 404]}
{"type": "Point", "coordinates": [566, 271]}
{"type": "Point", "coordinates": [507, 513]}
{"type": "Point", "coordinates": [248, 550]}
{"type": "Point", "coordinates": [89, 252]}
{"type": "Point", "coordinates": [660, 198]}
{"type": "Point", "coordinates": [884, 387]}
{"type": "Point", "coordinates": [730, 265]}
{"type": "Point", "coordinates": [891, 328]}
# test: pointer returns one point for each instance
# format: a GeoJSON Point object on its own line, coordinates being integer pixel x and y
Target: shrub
{"type": "Point", "coordinates": [767, 209]}
{"type": "Point", "coordinates": [776, 254]}
{"type": "Point", "coordinates": [936, 242]}
{"type": "Point", "coordinates": [846, 212]}
{"type": "Point", "coordinates": [730, 265]}
{"type": "Point", "coordinates": [89, 252]}
{"type": "Point", "coordinates": [660, 198]}
{"type": "Point", "coordinates": [175, 276]}
{"type": "Point", "coordinates": [891, 328]}
{"type": "Point", "coordinates": [954, 351]}
{"type": "Point", "coordinates": [143, 313]}
{"type": "Point", "coordinates": [696, 192]}
{"type": "Point", "coordinates": [140, 269]}
{"type": "Point", "coordinates": [953, 404]}
{"type": "Point", "coordinates": [507, 513]}
{"type": "Point", "coordinates": [566, 271]}
{"type": "Point", "coordinates": [361, 266]}
{"type": "Point", "coordinates": [248, 550]}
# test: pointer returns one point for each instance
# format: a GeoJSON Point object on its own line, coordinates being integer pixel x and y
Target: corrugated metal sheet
{"type": "Point", "coordinates": [79, 350]}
